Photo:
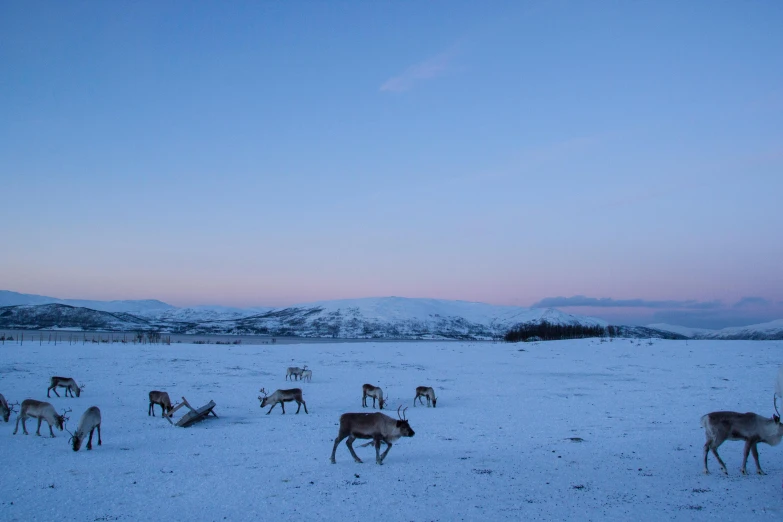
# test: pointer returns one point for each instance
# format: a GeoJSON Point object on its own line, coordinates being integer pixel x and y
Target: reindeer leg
{"type": "Point", "coordinates": [151, 410]}
{"type": "Point", "coordinates": [17, 425]}
{"type": "Point", "coordinates": [714, 449]}
{"type": "Point", "coordinates": [755, 451]}
{"type": "Point", "coordinates": [272, 408]}
{"type": "Point", "coordinates": [89, 440]}
{"type": "Point", "coordinates": [99, 435]}
{"type": "Point", "coordinates": [349, 443]}
{"type": "Point", "coordinates": [54, 389]}
{"type": "Point", "coordinates": [337, 442]}
{"type": "Point", "coordinates": [378, 459]}
{"type": "Point", "coordinates": [388, 448]}
{"type": "Point", "coordinates": [706, 454]}
{"type": "Point", "coordinates": [282, 405]}
{"type": "Point", "coordinates": [38, 432]}
{"type": "Point", "coordinates": [745, 452]}
{"type": "Point", "coordinates": [364, 401]}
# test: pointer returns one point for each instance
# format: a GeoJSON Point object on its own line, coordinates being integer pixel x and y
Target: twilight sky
{"type": "Point", "coordinates": [618, 159]}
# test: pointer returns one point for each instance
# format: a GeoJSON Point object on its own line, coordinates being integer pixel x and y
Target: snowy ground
{"type": "Point", "coordinates": [577, 430]}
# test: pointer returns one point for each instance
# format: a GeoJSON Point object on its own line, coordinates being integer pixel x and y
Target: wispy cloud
{"type": "Point", "coordinates": [751, 301]}
{"type": "Point", "coordinates": [431, 68]}
{"type": "Point", "coordinates": [607, 302]}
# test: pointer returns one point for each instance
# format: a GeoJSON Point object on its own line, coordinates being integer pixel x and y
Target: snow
{"type": "Point", "coordinates": [9, 298]}
{"type": "Point", "coordinates": [579, 430]}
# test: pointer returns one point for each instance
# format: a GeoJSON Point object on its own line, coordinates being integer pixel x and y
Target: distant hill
{"type": "Point", "coordinates": [757, 332]}
{"type": "Point", "coordinates": [8, 298]}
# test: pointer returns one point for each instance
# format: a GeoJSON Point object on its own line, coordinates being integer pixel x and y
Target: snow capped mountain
{"type": "Point", "coordinates": [8, 298]}
{"type": "Point", "coordinates": [764, 331]}
{"type": "Point", "coordinates": [682, 330]}
{"type": "Point", "coordinates": [199, 314]}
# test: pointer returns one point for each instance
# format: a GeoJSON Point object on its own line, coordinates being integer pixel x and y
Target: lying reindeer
{"type": "Point", "coordinates": [281, 397]}
{"type": "Point", "coordinates": [368, 390]}
{"type": "Point", "coordinates": [161, 399]}
{"type": "Point", "coordinates": [89, 421]}
{"type": "Point", "coordinates": [720, 426]}
{"type": "Point", "coordinates": [6, 409]}
{"type": "Point", "coordinates": [41, 411]}
{"type": "Point", "coordinates": [294, 372]}
{"type": "Point", "coordinates": [64, 382]}
{"type": "Point", "coordinates": [376, 426]}
{"type": "Point", "coordinates": [425, 391]}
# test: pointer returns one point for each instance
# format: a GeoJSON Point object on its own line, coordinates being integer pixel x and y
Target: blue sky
{"type": "Point", "coordinates": [268, 153]}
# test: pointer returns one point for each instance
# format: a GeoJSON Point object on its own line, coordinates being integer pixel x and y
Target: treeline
{"type": "Point", "coordinates": [546, 331]}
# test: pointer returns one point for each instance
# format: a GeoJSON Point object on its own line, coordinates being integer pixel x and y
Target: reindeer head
{"type": "Point", "coordinates": [381, 403]}
{"type": "Point", "coordinates": [9, 410]}
{"type": "Point", "coordinates": [402, 424]}
{"type": "Point", "coordinates": [76, 440]}
{"type": "Point", "coordinates": [434, 402]}
{"type": "Point", "coordinates": [264, 398]}
{"type": "Point", "coordinates": [60, 420]}
{"type": "Point", "coordinates": [79, 389]}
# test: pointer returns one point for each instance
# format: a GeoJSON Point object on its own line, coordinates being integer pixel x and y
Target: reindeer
{"type": "Point", "coordinates": [89, 421]}
{"type": "Point", "coordinates": [161, 399]}
{"type": "Point", "coordinates": [368, 390]}
{"type": "Point", "coordinates": [376, 426]}
{"type": "Point", "coordinates": [720, 426]}
{"type": "Point", "coordinates": [41, 411]}
{"type": "Point", "coordinates": [293, 372]}
{"type": "Point", "coordinates": [281, 397]}
{"type": "Point", "coordinates": [307, 375]}
{"type": "Point", "coordinates": [64, 382]}
{"type": "Point", "coordinates": [425, 391]}
{"type": "Point", "coordinates": [6, 409]}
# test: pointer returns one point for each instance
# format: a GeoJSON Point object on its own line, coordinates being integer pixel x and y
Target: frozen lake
{"type": "Point", "coordinates": [581, 430]}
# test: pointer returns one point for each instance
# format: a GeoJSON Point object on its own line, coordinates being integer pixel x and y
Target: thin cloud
{"type": "Point", "coordinates": [751, 301]}
{"type": "Point", "coordinates": [607, 302]}
{"type": "Point", "coordinates": [434, 67]}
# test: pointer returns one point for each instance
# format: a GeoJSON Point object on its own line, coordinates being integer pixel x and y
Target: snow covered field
{"type": "Point", "coordinates": [578, 430]}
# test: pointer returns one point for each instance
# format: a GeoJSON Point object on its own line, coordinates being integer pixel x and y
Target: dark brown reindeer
{"type": "Point", "coordinates": [6, 409]}
{"type": "Point", "coordinates": [368, 390]}
{"type": "Point", "coordinates": [376, 426]}
{"type": "Point", "coordinates": [425, 391]}
{"type": "Point", "coordinates": [41, 411]}
{"type": "Point", "coordinates": [281, 397]}
{"type": "Point", "coordinates": [720, 426]}
{"type": "Point", "coordinates": [90, 420]}
{"type": "Point", "coordinates": [161, 399]}
{"type": "Point", "coordinates": [64, 382]}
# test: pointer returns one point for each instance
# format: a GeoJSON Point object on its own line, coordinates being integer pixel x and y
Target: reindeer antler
{"type": "Point", "coordinates": [11, 406]}
{"type": "Point", "coordinates": [403, 414]}
{"type": "Point", "coordinates": [775, 403]}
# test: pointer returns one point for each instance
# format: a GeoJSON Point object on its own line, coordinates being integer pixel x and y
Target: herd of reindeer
{"type": "Point", "coordinates": [719, 426]}
{"type": "Point", "coordinates": [378, 427]}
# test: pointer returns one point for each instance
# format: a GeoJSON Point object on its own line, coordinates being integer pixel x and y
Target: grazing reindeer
{"type": "Point", "coordinates": [720, 426]}
{"type": "Point", "coordinates": [41, 411]}
{"type": "Point", "coordinates": [425, 391]}
{"type": "Point", "coordinates": [161, 399]}
{"type": "Point", "coordinates": [294, 372]}
{"type": "Point", "coordinates": [281, 397]}
{"type": "Point", "coordinates": [368, 390]}
{"type": "Point", "coordinates": [89, 421]}
{"type": "Point", "coordinates": [6, 409]}
{"type": "Point", "coordinates": [64, 382]}
{"type": "Point", "coordinates": [307, 375]}
{"type": "Point", "coordinates": [376, 426]}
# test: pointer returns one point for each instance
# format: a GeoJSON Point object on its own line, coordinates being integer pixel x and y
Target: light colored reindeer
{"type": "Point", "coordinates": [281, 397]}
{"type": "Point", "coordinates": [64, 382]}
{"type": "Point", "coordinates": [307, 375]}
{"type": "Point", "coordinates": [41, 411]}
{"type": "Point", "coordinates": [425, 391]}
{"type": "Point", "coordinates": [720, 426]}
{"type": "Point", "coordinates": [6, 409]}
{"type": "Point", "coordinates": [90, 420]}
{"type": "Point", "coordinates": [368, 390]}
{"type": "Point", "coordinates": [294, 372]}
{"type": "Point", "coordinates": [161, 399]}
{"type": "Point", "coordinates": [376, 426]}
